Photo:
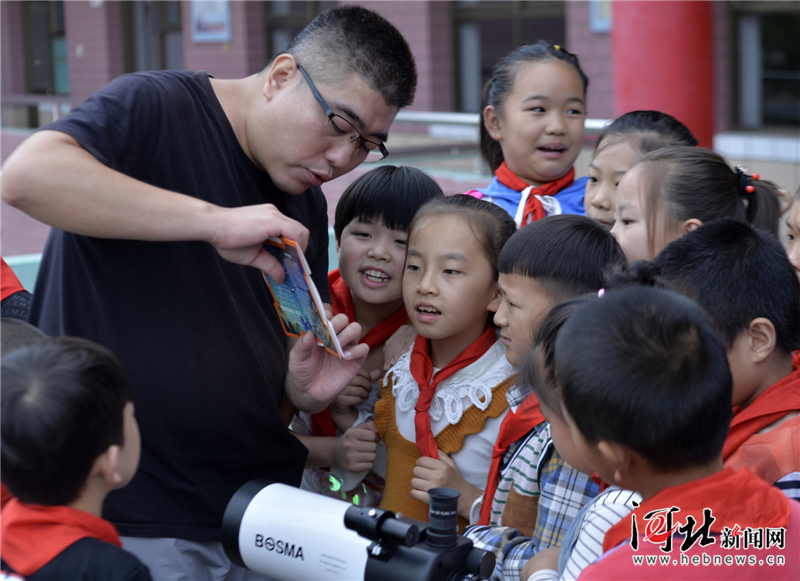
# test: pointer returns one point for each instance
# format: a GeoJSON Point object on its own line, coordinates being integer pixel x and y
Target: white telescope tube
{"type": "Point", "coordinates": [290, 534]}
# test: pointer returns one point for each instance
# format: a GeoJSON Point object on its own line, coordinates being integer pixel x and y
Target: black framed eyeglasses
{"type": "Point", "coordinates": [369, 151]}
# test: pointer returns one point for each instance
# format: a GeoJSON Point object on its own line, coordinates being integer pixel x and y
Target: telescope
{"type": "Point", "coordinates": [295, 535]}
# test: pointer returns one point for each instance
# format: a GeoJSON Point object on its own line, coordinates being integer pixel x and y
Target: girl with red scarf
{"type": "Point", "coordinates": [442, 404]}
{"type": "Point", "coordinates": [370, 225]}
{"type": "Point", "coordinates": [534, 109]}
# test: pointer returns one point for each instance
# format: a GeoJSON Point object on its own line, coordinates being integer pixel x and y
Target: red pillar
{"type": "Point", "coordinates": [663, 57]}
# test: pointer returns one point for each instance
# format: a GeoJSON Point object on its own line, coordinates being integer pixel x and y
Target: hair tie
{"type": "Point", "coordinates": [746, 186]}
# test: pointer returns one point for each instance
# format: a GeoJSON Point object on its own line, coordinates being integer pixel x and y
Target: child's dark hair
{"type": "Point", "coordinates": [692, 182]}
{"type": "Point", "coordinates": [645, 368]}
{"type": "Point", "coordinates": [538, 366]}
{"type": "Point", "coordinates": [490, 223]}
{"type": "Point", "coordinates": [15, 334]}
{"type": "Point", "coordinates": [645, 131]}
{"type": "Point", "coordinates": [567, 254]}
{"type": "Point", "coordinates": [388, 194]}
{"type": "Point", "coordinates": [501, 83]}
{"type": "Point", "coordinates": [736, 273]}
{"type": "Point", "coordinates": [62, 406]}
{"type": "Point", "coordinates": [352, 39]}
{"type": "Point", "coordinates": [638, 273]}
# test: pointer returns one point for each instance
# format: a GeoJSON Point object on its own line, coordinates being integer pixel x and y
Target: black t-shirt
{"type": "Point", "coordinates": [88, 559]}
{"type": "Point", "coordinates": [199, 336]}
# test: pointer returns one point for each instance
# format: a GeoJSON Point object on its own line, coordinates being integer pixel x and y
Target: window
{"type": "Point", "coordinates": [153, 36]}
{"type": "Point", "coordinates": [46, 48]}
{"type": "Point", "coordinates": [485, 31]}
{"type": "Point", "coordinates": [284, 19]}
{"type": "Point", "coordinates": [768, 67]}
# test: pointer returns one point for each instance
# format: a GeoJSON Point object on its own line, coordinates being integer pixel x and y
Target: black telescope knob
{"type": "Point", "coordinates": [480, 562]}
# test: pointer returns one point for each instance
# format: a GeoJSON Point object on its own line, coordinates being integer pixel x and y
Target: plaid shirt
{"type": "Point", "coordinates": [564, 491]}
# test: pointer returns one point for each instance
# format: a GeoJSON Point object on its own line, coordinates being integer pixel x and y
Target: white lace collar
{"type": "Point", "coordinates": [470, 386]}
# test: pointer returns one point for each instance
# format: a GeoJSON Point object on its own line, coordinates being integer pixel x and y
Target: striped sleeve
{"type": "Point", "coordinates": [790, 485]}
{"type": "Point", "coordinates": [607, 510]}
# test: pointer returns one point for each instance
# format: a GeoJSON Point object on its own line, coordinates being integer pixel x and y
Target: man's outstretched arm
{"type": "Point", "coordinates": [55, 180]}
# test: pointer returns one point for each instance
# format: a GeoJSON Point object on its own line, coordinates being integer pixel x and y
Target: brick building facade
{"type": "Point", "coordinates": [79, 46]}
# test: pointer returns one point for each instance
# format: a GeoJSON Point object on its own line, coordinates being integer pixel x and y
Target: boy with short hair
{"type": "Point", "coordinates": [583, 541]}
{"type": "Point", "coordinates": [69, 437]}
{"type": "Point", "coordinates": [532, 491]}
{"type": "Point", "coordinates": [743, 279]}
{"type": "Point", "coordinates": [646, 393]}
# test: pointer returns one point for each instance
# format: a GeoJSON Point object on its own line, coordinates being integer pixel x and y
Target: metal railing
{"type": "Point", "coordinates": [472, 119]}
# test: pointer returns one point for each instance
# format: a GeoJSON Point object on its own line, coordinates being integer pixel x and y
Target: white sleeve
{"type": "Point", "coordinates": [544, 575]}
{"type": "Point", "coordinates": [475, 510]}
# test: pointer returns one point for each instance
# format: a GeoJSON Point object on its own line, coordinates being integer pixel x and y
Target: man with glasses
{"type": "Point", "coordinates": [161, 189]}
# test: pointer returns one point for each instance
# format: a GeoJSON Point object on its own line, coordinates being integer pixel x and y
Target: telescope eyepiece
{"type": "Point", "coordinates": [442, 517]}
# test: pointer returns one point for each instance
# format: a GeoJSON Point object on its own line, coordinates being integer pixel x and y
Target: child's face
{"type": "Point", "coordinates": [541, 125]}
{"type": "Point", "coordinates": [793, 231]}
{"type": "Point", "coordinates": [448, 284]}
{"type": "Point", "coordinates": [630, 221]}
{"type": "Point", "coordinates": [371, 258]}
{"type": "Point", "coordinates": [607, 168]}
{"type": "Point", "coordinates": [131, 447]}
{"type": "Point", "coordinates": [523, 305]}
{"type": "Point", "coordinates": [562, 439]}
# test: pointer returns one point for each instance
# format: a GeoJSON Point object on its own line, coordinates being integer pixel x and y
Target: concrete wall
{"type": "Point", "coordinates": [12, 48]}
{"type": "Point", "coordinates": [94, 46]}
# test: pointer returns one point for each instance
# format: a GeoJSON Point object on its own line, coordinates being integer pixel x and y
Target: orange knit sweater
{"type": "Point", "coordinates": [401, 454]}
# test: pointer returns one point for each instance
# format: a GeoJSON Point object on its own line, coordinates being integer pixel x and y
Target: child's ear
{"type": "Point", "coordinates": [690, 225]}
{"type": "Point", "coordinates": [106, 466]}
{"type": "Point", "coordinates": [283, 69]}
{"type": "Point", "coordinates": [494, 304]}
{"type": "Point", "coordinates": [763, 338]}
{"type": "Point", "coordinates": [492, 122]}
{"type": "Point", "coordinates": [619, 457]}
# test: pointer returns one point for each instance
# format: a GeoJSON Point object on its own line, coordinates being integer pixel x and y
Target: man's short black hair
{"type": "Point", "coordinates": [644, 367]}
{"type": "Point", "coordinates": [566, 254]}
{"type": "Point", "coordinates": [62, 406]}
{"type": "Point", "coordinates": [351, 39]}
{"type": "Point", "coordinates": [736, 273]}
{"type": "Point", "coordinates": [388, 194]}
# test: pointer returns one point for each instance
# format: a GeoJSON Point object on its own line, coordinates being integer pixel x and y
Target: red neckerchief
{"type": "Point", "coordinates": [533, 206]}
{"type": "Point", "coordinates": [778, 400]}
{"type": "Point", "coordinates": [9, 283]}
{"type": "Point", "coordinates": [733, 497]}
{"type": "Point", "coordinates": [515, 425]}
{"type": "Point", "coordinates": [33, 534]}
{"type": "Point", "coordinates": [422, 372]}
{"type": "Point", "coordinates": [601, 484]}
{"type": "Point", "coordinates": [342, 302]}
{"type": "Point", "coordinates": [5, 496]}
